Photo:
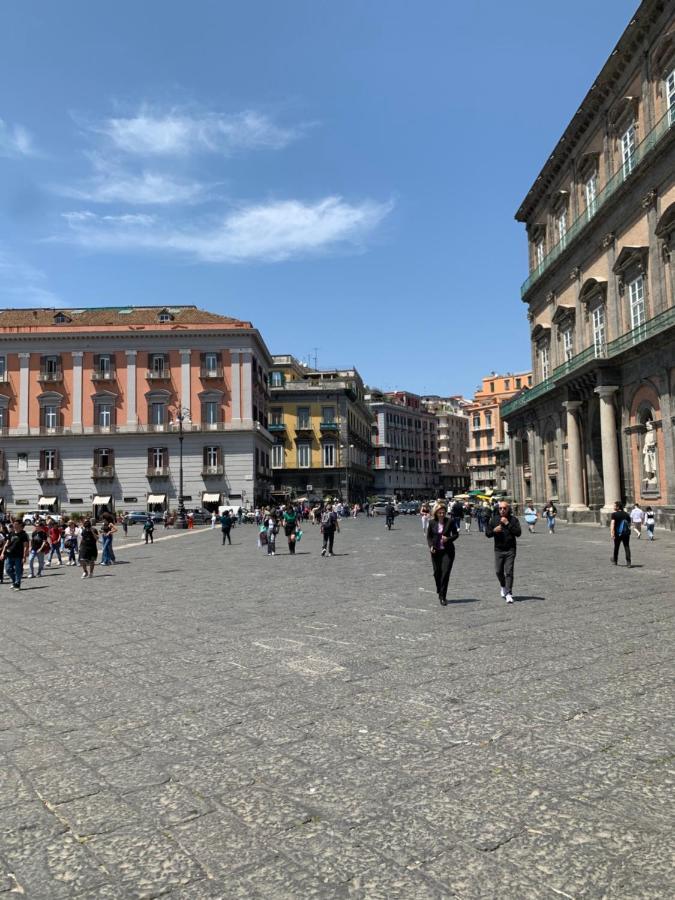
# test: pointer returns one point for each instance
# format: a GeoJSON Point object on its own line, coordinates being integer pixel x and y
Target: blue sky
{"type": "Point", "coordinates": [344, 175]}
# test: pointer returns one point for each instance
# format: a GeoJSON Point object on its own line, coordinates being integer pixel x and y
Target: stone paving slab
{"type": "Point", "coordinates": [208, 722]}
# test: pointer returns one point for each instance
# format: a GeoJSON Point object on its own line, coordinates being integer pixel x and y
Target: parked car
{"type": "Point", "coordinates": [380, 509]}
{"type": "Point", "coordinates": [31, 517]}
{"type": "Point", "coordinates": [139, 517]}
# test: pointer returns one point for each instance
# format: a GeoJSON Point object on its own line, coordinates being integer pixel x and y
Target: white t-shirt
{"type": "Point", "coordinates": [637, 516]}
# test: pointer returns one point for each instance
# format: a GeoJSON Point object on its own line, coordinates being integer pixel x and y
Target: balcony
{"type": "Point", "coordinates": [211, 372]}
{"type": "Point", "coordinates": [49, 474]}
{"type": "Point", "coordinates": [651, 139]}
{"type": "Point", "coordinates": [158, 427]}
{"type": "Point", "coordinates": [52, 429]}
{"type": "Point", "coordinates": [103, 472]}
{"type": "Point", "coordinates": [105, 429]}
{"type": "Point", "coordinates": [211, 426]}
{"type": "Point", "coordinates": [98, 375]}
{"type": "Point", "coordinates": [210, 471]}
{"type": "Point", "coordinates": [329, 426]}
{"type": "Point", "coordinates": [50, 376]}
{"type": "Point", "coordinates": [158, 375]}
{"type": "Point", "coordinates": [4, 377]}
{"type": "Point", "coordinates": [276, 427]}
{"type": "Point", "coordinates": [158, 472]}
{"type": "Point", "coordinates": [304, 425]}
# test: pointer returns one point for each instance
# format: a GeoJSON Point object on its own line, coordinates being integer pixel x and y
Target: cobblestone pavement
{"type": "Point", "coordinates": [205, 722]}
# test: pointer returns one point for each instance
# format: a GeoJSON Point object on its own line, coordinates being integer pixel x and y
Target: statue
{"type": "Point", "coordinates": [649, 453]}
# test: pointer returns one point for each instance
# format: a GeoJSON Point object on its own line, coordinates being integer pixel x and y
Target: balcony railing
{"type": "Point", "coordinates": [103, 472]}
{"type": "Point", "coordinates": [49, 474]}
{"type": "Point", "coordinates": [157, 374]}
{"type": "Point", "coordinates": [276, 427]}
{"type": "Point", "coordinates": [304, 425]}
{"type": "Point", "coordinates": [626, 170]}
{"type": "Point", "coordinates": [98, 375]}
{"type": "Point", "coordinates": [50, 376]}
{"type": "Point", "coordinates": [212, 470]}
{"type": "Point", "coordinates": [4, 377]}
{"type": "Point", "coordinates": [328, 426]}
{"type": "Point", "coordinates": [632, 338]}
{"type": "Point", "coordinates": [211, 372]}
{"type": "Point", "coordinates": [158, 471]}
{"type": "Point", "coordinates": [52, 429]}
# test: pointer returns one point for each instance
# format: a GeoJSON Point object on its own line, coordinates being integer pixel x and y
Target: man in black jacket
{"type": "Point", "coordinates": [504, 528]}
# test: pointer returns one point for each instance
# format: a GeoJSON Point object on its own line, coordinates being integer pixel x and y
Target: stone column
{"type": "Point", "coordinates": [185, 357]}
{"type": "Point", "coordinates": [76, 412]}
{"type": "Point", "coordinates": [246, 386]}
{"type": "Point", "coordinates": [132, 417]}
{"type": "Point", "coordinates": [24, 369]}
{"type": "Point", "coordinates": [610, 449]}
{"type": "Point", "coordinates": [575, 480]}
{"type": "Point", "coordinates": [236, 386]}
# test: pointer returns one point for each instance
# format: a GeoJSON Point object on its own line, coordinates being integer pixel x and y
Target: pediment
{"type": "Point", "coordinates": [593, 288]}
{"type": "Point", "coordinates": [631, 257]}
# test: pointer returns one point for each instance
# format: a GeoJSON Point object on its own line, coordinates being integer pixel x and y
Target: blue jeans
{"type": "Point", "coordinates": [14, 568]}
{"type": "Point", "coordinates": [106, 555]}
{"type": "Point", "coordinates": [35, 554]}
{"type": "Point", "coordinates": [55, 548]}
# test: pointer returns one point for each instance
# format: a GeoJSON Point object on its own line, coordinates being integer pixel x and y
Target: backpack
{"type": "Point", "coordinates": [622, 528]}
{"type": "Point", "coordinates": [326, 518]}
{"type": "Point", "coordinates": [149, 525]}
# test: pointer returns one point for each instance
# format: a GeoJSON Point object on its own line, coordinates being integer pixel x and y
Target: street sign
{"type": "Point", "coordinates": [310, 487]}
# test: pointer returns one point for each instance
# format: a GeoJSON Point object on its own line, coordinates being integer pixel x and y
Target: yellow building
{"type": "Point", "coordinates": [321, 428]}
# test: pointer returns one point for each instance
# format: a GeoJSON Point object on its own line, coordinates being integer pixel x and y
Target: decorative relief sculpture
{"type": "Point", "coordinates": [649, 450]}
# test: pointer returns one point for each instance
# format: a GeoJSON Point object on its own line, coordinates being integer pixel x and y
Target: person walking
{"type": "Point", "coordinates": [272, 530]}
{"type": "Point", "coordinates": [389, 513]}
{"type": "Point", "coordinates": [637, 518]}
{"type": "Point", "coordinates": [15, 553]}
{"type": "Point", "coordinates": [214, 519]}
{"type": "Point", "coordinates": [468, 515]}
{"type": "Point", "coordinates": [531, 516]}
{"type": "Point", "coordinates": [441, 536]}
{"type": "Point", "coordinates": [55, 534]}
{"type": "Point", "coordinates": [504, 528]}
{"type": "Point", "coordinates": [226, 526]}
{"type": "Point", "coordinates": [39, 545]}
{"type": "Point", "coordinates": [425, 514]}
{"type": "Point", "coordinates": [88, 548]}
{"type": "Point", "coordinates": [483, 516]}
{"type": "Point", "coordinates": [619, 530]}
{"type": "Point", "coordinates": [457, 513]}
{"type": "Point", "coordinates": [107, 531]}
{"type": "Point", "coordinates": [550, 512]}
{"type": "Point", "coordinates": [650, 522]}
{"type": "Point", "coordinates": [70, 543]}
{"type": "Point", "coordinates": [329, 525]}
{"type": "Point", "coordinates": [125, 524]}
{"type": "Point", "coordinates": [4, 535]}
{"type": "Point", "coordinates": [149, 530]}
{"type": "Point", "coordinates": [290, 522]}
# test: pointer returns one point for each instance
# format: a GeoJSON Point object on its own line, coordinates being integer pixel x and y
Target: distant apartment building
{"type": "Point", "coordinates": [91, 403]}
{"type": "Point", "coordinates": [405, 446]}
{"type": "Point", "coordinates": [452, 426]}
{"type": "Point", "coordinates": [485, 450]}
{"type": "Point", "coordinates": [598, 424]}
{"type": "Point", "coordinates": [321, 428]}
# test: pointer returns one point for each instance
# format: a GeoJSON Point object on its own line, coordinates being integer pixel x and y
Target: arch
{"type": "Point", "coordinates": [645, 394]}
{"type": "Point", "coordinates": [49, 397]}
{"type": "Point", "coordinates": [666, 224]}
{"type": "Point", "coordinates": [593, 289]}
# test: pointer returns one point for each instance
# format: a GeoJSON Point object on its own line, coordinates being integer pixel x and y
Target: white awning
{"type": "Point", "coordinates": [101, 501]}
{"type": "Point", "coordinates": [46, 501]}
{"type": "Point", "coordinates": [156, 498]}
{"type": "Point", "coordinates": [210, 498]}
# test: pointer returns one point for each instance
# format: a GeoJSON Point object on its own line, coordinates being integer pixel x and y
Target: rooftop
{"type": "Point", "coordinates": [164, 317]}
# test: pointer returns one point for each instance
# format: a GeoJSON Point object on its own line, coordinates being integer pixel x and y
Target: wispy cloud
{"type": "Point", "coordinates": [22, 284]}
{"type": "Point", "coordinates": [179, 132]}
{"type": "Point", "coordinates": [112, 183]}
{"type": "Point", "coordinates": [272, 232]}
{"type": "Point", "coordinates": [15, 140]}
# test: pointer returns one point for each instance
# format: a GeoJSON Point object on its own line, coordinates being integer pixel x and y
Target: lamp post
{"type": "Point", "coordinates": [346, 448]}
{"type": "Point", "coordinates": [181, 416]}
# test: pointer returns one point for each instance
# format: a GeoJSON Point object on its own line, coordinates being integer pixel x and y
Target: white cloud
{"type": "Point", "coordinates": [179, 132]}
{"type": "Point", "coordinates": [271, 232]}
{"type": "Point", "coordinates": [15, 140]}
{"type": "Point", "coordinates": [22, 284]}
{"type": "Point", "coordinates": [113, 184]}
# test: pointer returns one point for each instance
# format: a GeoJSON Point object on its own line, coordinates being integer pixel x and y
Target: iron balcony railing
{"type": "Point", "coordinates": [103, 471]}
{"type": "Point", "coordinates": [50, 375]}
{"type": "Point", "coordinates": [101, 375]}
{"type": "Point", "coordinates": [632, 338]}
{"type": "Point", "coordinates": [626, 169]}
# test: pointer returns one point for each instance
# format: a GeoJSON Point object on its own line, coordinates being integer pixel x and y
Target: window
{"type": "Point", "coordinates": [165, 316]}
{"type": "Point", "coordinates": [49, 460]}
{"type": "Point", "coordinates": [568, 343]}
{"type": "Point", "coordinates": [304, 456]}
{"type": "Point", "coordinates": [488, 420]}
{"type": "Point", "coordinates": [518, 384]}
{"type": "Point", "coordinates": [599, 330]}
{"type": "Point", "coordinates": [278, 456]}
{"type": "Point", "coordinates": [670, 97]}
{"type": "Point", "coordinates": [211, 457]}
{"type": "Point", "coordinates": [507, 384]}
{"type": "Point", "coordinates": [539, 253]}
{"type": "Point", "coordinates": [50, 416]}
{"type": "Point", "coordinates": [3, 368]}
{"type": "Point", "coordinates": [210, 412]}
{"type": "Point", "coordinates": [476, 420]}
{"type": "Point", "coordinates": [211, 363]}
{"type": "Point", "coordinates": [104, 415]}
{"type": "Point", "coordinates": [157, 413]}
{"type": "Point", "coordinates": [158, 457]}
{"type": "Point", "coordinates": [591, 191]}
{"type": "Point", "coordinates": [628, 149]}
{"type": "Point", "coordinates": [544, 362]}
{"type": "Point", "coordinates": [277, 379]}
{"type": "Point", "coordinates": [3, 418]}
{"type": "Point", "coordinates": [328, 414]}
{"type": "Point", "coordinates": [329, 455]}
{"type": "Point", "coordinates": [51, 365]}
{"type": "Point", "coordinates": [561, 227]}
{"type": "Point", "coordinates": [276, 417]}
{"type": "Point", "coordinates": [157, 364]}
{"type": "Point", "coordinates": [636, 293]}
{"type": "Point", "coordinates": [103, 457]}
{"type": "Point", "coordinates": [303, 417]}
{"type": "Point", "coordinates": [104, 365]}
{"type": "Point", "coordinates": [529, 381]}
{"type": "Point", "coordinates": [489, 441]}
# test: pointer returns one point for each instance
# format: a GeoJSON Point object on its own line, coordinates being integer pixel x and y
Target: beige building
{"type": "Point", "coordinates": [598, 424]}
{"type": "Point", "coordinates": [452, 425]}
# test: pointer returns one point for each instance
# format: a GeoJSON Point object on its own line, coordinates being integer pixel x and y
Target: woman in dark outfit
{"type": "Point", "coordinates": [441, 535]}
{"type": "Point", "coordinates": [88, 549]}
{"type": "Point", "coordinates": [290, 527]}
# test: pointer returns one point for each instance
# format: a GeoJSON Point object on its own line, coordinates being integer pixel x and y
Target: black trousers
{"type": "Point", "coordinates": [328, 538]}
{"type": "Point", "coordinates": [226, 536]}
{"type": "Point", "coordinates": [504, 562]}
{"type": "Point", "coordinates": [442, 561]}
{"type": "Point", "coordinates": [620, 539]}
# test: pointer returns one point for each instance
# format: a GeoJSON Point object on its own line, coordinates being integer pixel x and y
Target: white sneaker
{"type": "Point", "coordinates": [502, 591]}
{"type": "Point", "coordinates": [29, 575]}
{"type": "Point", "coordinates": [509, 598]}
{"type": "Point", "coordinates": [84, 574]}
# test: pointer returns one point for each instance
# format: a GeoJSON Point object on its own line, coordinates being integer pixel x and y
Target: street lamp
{"type": "Point", "coordinates": [346, 448]}
{"type": "Point", "coordinates": [181, 416]}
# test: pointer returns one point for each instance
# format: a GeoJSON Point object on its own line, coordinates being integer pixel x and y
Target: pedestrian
{"type": "Point", "coordinates": [531, 516]}
{"type": "Point", "coordinates": [190, 520]}
{"type": "Point", "coordinates": [650, 522]}
{"type": "Point", "coordinates": [107, 532]}
{"type": "Point", "coordinates": [125, 524]}
{"type": "Point", "coordinates": [441, 536]}
{"type": "Point", "coordinates": [226, 526]}
{"type": "Point", "coordinates": [425, 514]}
{"type": "Point", "coordinates": [504, 528]}
{"type": "Point", "coordinates": [329, 525]}
{"type": "Point", "coordinates": [214, 519]}
{"type": "Point", "coordinates": [4, 535]}
{"type": "Point", "coordinates": [483, 516]}
{"type": "Point", "coordinates": [15, 553]}
{"type": "Point", "coordinates": [165, 518]}
{"type": "Point", "coordinates": [149, 530]}
{"type": "Point", "coordinates": [88, 548]}
{"type": "Point", "coordinates": [39, 545]}
{"type": "Point", "coordinates": [637, 518]}
{"type": "Point", "coordinates": [389, 513]}
{"type": "Point", "coordinates": [290, 521]}
{"type": "Point", "coordinates": [272, 530]}
{"type": "Point", "coordinates": [550, 512]}
{"type": "Point", "coordinates": [457, 513]}
{"type": "Point", "coordinates": [619, 530]}
{"type": "Point", "coordinates": [55, 534]}
{"type": "Point", "coordinates": [70, 543]}
{"type": "Point", "coordinates": [468, 515]}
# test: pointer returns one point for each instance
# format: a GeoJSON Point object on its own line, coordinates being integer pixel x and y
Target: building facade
{"type": "Point", "coordinates": [405, 446]}
{"type": "Point", "coordinates": [486, 459]}
{"type": "Point", "coordinates": [92, 402]}
{"type": "Point", "coordinates": [452, 426]}
{"type": "Point", "coordinates": [321, 427]}
{"type": "Point", "coordinates": [598, 424]}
